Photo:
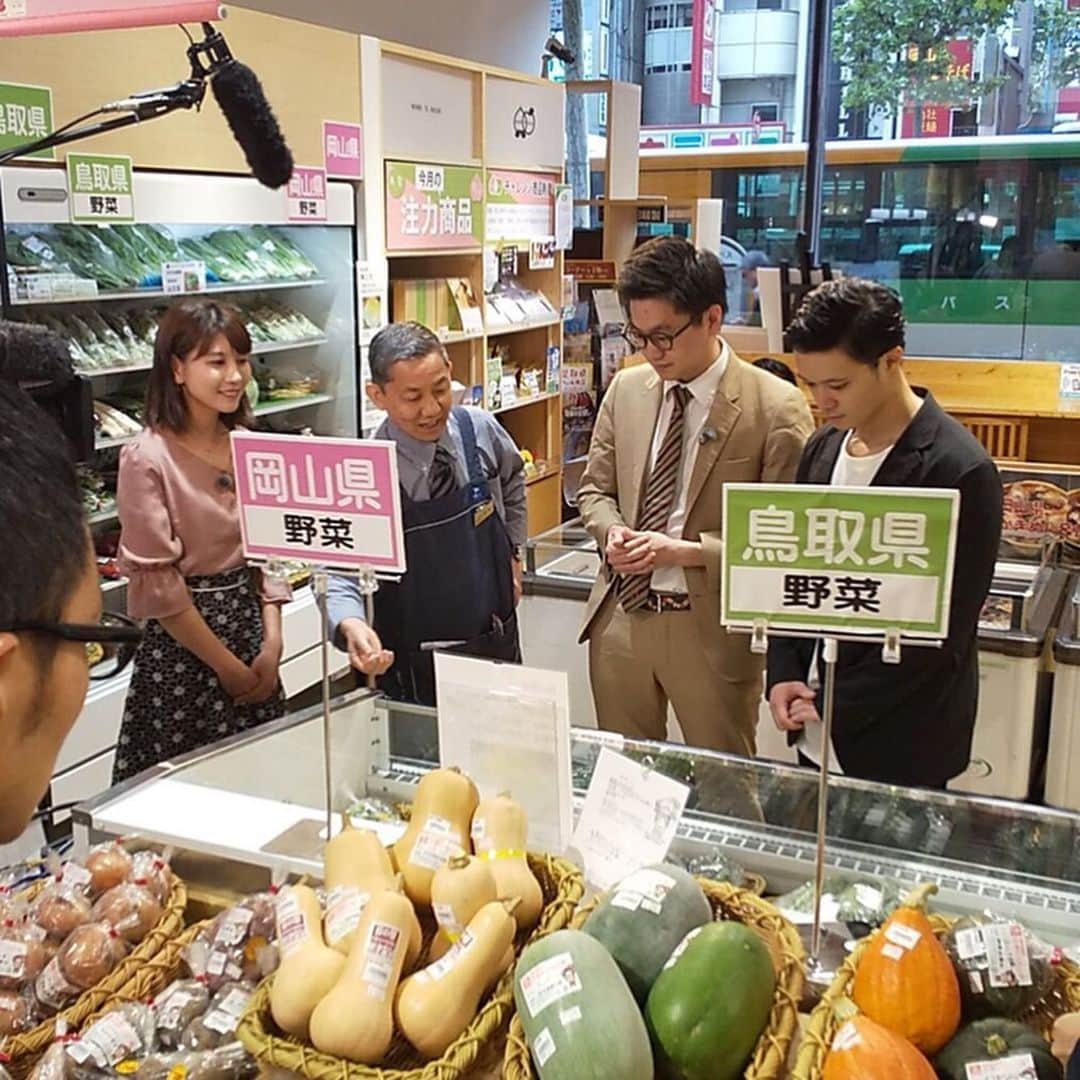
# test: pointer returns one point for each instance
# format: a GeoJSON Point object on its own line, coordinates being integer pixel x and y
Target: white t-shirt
{"type": "Point", "coordinates": [849, 471]}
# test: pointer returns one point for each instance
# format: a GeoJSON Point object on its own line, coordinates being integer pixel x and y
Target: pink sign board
{"type": "Point", "coordinates": [342, 150]}
{"type": "Point", "coordinates": [306, 194]}
{"type": "Point", "coordinates": [333, 502]}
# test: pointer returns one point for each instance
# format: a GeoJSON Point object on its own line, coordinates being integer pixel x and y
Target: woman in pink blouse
{"type": "Point", "coordinates": [208, 664]}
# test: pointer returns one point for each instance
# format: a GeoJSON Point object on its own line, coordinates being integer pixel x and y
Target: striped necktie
{"type": "Point", "coordinates": [660, 490]}
{"type": "Point", "coordinates": [442, 479]}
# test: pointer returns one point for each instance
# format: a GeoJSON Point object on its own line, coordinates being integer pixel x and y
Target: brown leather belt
{"type": "Point", "coordinates": [659, 602]}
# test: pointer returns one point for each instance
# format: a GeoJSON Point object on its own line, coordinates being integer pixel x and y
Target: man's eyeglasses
{"type": "Point", "coordinates": [661, 340]}
{"type": "Point", "coordinates": [110, 643]}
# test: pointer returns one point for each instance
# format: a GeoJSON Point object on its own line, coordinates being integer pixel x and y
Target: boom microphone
{"type": "Point", "coordinates": [240, 97]}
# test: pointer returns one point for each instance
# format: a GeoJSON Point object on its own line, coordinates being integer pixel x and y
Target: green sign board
{"type": "Point", "coordinates": [433, 207]}
{"type": "Point", "coordinates": [25, 115]}
{"type": "Point", "coordinates": [846, 560]}
{"type": "Point", "coordinates": [100, 188]}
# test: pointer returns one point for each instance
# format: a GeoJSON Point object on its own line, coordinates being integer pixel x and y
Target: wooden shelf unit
{"type": "Point", "coordinates": [415, 104]}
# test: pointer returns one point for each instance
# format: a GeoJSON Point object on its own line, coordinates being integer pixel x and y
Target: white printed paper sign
{"type": "Point", "coordinates": [629, 818]}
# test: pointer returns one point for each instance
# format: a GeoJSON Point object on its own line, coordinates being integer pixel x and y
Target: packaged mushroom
{"type": "Point", "coordinates": [228, 1062]}
{"type": "Point", "coordinates": [218, 1026]}
{"type": "Point", "coordinates": [178, 1005]}
{"type": "Point", "coordinates": [115, 1042]}
{"type": "Point", "coordinates": [24, 951]}
{"type": "Point", "coordinates": [130, 908]}
{"type": "Point", "coordinates": [108, 865]}
{"type": "Point", "coordinates": [88, 954]}
{"type": "Point", "coordinates": [238, 944]}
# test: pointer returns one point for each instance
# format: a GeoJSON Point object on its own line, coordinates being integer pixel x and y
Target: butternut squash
{"type": "Point", "coordinates": [355, 1020]}
{"type": "Point", "coordinates": [459, 890]}
{"type": "Point", "coordinates": [356, 865]}
{"type": "Point", "coordinates": [436, 1005]}
{"type": "Point", "coordinates": [358, 858]}
{"type": "Point", "coordinates": [499, 833]}
{"type": "Point", "coordinates": [441, 813]}
{"type": "Point", "coordinates": [308, 967]}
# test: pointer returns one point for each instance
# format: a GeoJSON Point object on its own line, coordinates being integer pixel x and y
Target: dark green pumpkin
{"type": "Point", "coordinates": [979, 998]}
{"type": "Point", "coordinates": [991, 1040]}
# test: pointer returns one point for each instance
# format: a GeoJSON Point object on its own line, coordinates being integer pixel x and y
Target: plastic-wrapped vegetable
{"type": "Point", "coordinates": [717, 866]}
{"type": "Point", "coordinates": [228, 1062]}
{"type": "Point", "coordinates": [87, 955]}
{"type": "Point", "coordinates": [178, 1005]}
{"type": "Point", "coordinates": [218, 1025]}
{"type": "Point", "coordinates": [374, 808]}
{"type": "Point", "coordinates": [124, 1034]}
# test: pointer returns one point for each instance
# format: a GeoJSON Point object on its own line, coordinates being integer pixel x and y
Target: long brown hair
{"type": "Point", "coordinates": [190, 325]}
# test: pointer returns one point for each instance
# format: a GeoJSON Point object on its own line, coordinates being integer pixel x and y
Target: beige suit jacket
{"type": "Point", "coordinates": [761, 424]}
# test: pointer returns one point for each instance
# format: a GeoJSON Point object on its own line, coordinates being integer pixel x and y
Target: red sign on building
{"type": "Point", "coordinates": [703, 52]}
{"type": "Point", "coordinates": [935, 121]}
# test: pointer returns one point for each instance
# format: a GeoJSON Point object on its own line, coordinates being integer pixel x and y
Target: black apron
{"type": "Point", "coordinates": [458, 592]}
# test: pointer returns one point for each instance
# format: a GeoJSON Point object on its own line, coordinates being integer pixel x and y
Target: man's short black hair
{"type": "Point", "coordinates": [671, 268]}
{"type": "Point", "coordinates": [44, 544]}
{"type": "Point", "coordinates": [777, 368]}
{"type": "Point", "coordinates": [864, 318]}
{"type": "Point", "coordinates": [400, 341]}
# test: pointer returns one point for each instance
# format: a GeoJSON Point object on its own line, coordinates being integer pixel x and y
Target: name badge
{"type": "Point", "coordinates": [482, 513]}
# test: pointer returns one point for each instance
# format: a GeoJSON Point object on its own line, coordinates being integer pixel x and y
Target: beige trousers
{"type": "Point", "coordinates": [640, 662]}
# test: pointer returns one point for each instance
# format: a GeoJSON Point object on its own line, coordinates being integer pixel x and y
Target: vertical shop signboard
{"type": "Point", "coordinates": [433, 207]}
{"type": "Point", "coordinates": [703, 52]}
{"type": "Point", "coordinates": [520, 205]}
{"type": "Point", "coordinates": [343, 150]}
{"type": "Point", "coordinates": [847, 561]}
{"type": "Point", "coordinates": [333, 502]}
{"type": "Point", "coordinates": [25, 115]}
{"type": "Point", "coordinates": [100, 188]}
{"type": "Point", "coordinates": [306, 194]}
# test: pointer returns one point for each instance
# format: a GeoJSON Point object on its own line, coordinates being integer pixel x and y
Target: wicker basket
{"type": "Point", "coordinates": [563, 889]}
{"type": "Point", "coordinates": [24, 1049]}
{"type": "Point", "coordinates": [728, 902]}
{"type": "Point", "coordinates": [823, 1024]}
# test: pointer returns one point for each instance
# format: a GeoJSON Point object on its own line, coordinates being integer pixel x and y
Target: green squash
{"type": "Point", "coordinates": [580, 1019]}
{"type": "Point", "coordinates": [967, 949]}
{"type": "Point", "coordinates": [643, 918]}
{"type": "Point", "coordinates": [709, 1005]}
{"type": "Point", "coordinates": [992, 1040]}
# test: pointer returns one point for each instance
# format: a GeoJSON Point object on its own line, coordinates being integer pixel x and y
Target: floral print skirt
{"type": "Point", "coordinates": [175, 703]}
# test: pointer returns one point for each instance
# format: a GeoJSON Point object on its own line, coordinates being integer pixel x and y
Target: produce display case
{"type": "Point", "coordinates": [255, 802]}
{"type": "Point", "coordinates": [1062, 779]}
{"type": "Point", "coordinates": [101, 288]}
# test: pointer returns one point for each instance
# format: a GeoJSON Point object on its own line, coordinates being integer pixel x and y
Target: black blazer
{"type": "Point", "coordinates": [912, 723]}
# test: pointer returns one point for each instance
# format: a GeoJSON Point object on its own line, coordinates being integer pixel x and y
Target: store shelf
{"type": "Point", "coordinates": [152, 294]}
{"type": "Point", "coordinates": [544, 471]}
{"type": "Point", "coordinates": [103, 517]}
{"type": "Point", "coordinates": [454, 336]}
{"type": "Point", "coordinates": [109, 444]}
{"type": "Point", "coordinates": [259, 348]}
{"type": "Point", "coordinates": [292, 403]}
{"type": "Point", "coordinates": [524, 403]}
{"type": "Point", "coordinates": [520, 328]}
{"type": "Point", "coordinates": [433, 251]}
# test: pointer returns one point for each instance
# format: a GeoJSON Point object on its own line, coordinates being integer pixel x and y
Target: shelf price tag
{"type": "Point", "coordinates": [183, 277]}
{"type": "Point", "coordinates": [100, 188]}
{"type": "Point", "coordinates": [628, 820]}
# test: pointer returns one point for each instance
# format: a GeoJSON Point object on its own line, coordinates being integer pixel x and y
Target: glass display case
{"type": "Point", "coordinates": [257, 801]}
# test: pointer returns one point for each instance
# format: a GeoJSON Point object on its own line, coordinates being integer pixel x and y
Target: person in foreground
{"type": "Point", "coordinates": [910, 723]}
{"type": "Point", "coordinates": [464, 516]}
{"type": "Point", "coordinates": [50, 606]}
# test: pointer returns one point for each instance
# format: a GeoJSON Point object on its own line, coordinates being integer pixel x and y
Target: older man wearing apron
{"type": "Point", "coordinates": [463, 509]}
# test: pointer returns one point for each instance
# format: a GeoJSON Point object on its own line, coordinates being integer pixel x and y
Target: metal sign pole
{"type": "Point", "coordinates": [829, 648]}
{"type": "Point", "coordinates": [369, 586]}
{"type": "Point", "coordinates": [320, 577]}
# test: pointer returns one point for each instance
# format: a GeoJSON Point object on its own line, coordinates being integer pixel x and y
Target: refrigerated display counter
{"type": "Point", "coordinates": [1062, 776]}
{"type": "Point", "coordinates": [255, 803]}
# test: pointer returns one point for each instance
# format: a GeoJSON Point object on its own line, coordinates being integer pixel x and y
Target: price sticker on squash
{"type": "Point", "coordinates": [549, 982]}
{"type": "Point", "coordinates": [291, 924]}
{"type": "Point", "coordinates": [1016, 1067]}
{"type": "Point", "coordinates": [382, 944]}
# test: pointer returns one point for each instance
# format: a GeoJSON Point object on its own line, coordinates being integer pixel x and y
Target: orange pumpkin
{"type": "Point", "coordinates": [905, 979]}
{"type": "Point", "coordinates": [864, 1050]}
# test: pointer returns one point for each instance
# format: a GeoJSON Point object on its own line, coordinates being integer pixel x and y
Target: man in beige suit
{"type": "Point", "coordinates": [669, 435]}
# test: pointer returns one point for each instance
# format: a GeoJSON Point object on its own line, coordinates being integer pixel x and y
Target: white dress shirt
{"type": "Point", "coordinates": [672, 579]}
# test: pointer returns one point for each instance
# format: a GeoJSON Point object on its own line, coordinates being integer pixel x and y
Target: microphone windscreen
{"type": "Point", "coordinates": [32, 354]}
{"type": "Point", "coordinates": [240, 96]}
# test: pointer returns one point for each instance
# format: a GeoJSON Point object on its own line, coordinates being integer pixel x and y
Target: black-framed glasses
{"type": "Point", "coordinates": [110, 643]}
{"type": "Point", "coordinates": [663, 340]}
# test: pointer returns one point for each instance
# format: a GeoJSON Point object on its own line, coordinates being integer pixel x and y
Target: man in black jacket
{"type": "Point", "coordinates": [910, 723]}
